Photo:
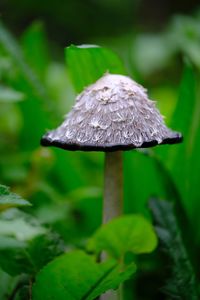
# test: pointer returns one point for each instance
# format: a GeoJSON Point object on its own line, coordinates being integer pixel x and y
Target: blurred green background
{"type": "Point", "coordinates": [159, 43]}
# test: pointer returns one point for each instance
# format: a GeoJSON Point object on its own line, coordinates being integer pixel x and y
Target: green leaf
{"type": "Point", "coordinates": [38, 101]}
{"type": "Point", "coordinates": [7, 284]}
{"type": "Point", "coordinates": [12, 48]}
{"type": "Point", "coordinates": [24, 291]}
{"type": "Point", "coordinates": [13, 259]}
{"type": "Point", "coordinates": [9, 242]}
{"type": "Point", "coordinates": [9, 200]}
{"type": "Point", "coordinates": [50, 245]}
{"type": "Point", "coordinates": [87, 63]}
{"type": "Point", "coordinates": [9, 95]}
{"type": "Point", "coordinates": [28, 257]}
{"type": "Point", "coordinates": [183, 160]}
{"type": "Point", "coordinates": [76, 276]}
{"type": "Point", "coordinates": [35, 46]}
{"type": "Point", "coordinates": [20, 229]}
{"type": "Point", "coordinates": [184, 35]}
{"type": "Point", "coordinates": [182, 120]}
{"type": "Point", "coordinates": [182, 284]}
{"type": "Point", "coordinates": [130, 233]}
{"type": "Point", "coordinates": [138, 185]}
{"type": "Point", "coordinates": [183, 115]}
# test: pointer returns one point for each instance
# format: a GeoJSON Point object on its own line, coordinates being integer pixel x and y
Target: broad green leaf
{"type": "Point", "coordinates": [182, 284]}
{"type": "Point", "coordinates": [9, 200]}
{"type": "Point", "coordinates": [130, 233]}
{"type": "Point", "coordinates": [87, 63]}
{"type": "Point", "coordinates": [9, 95]}
{"type": "Point", "coordinates": [76, 276]}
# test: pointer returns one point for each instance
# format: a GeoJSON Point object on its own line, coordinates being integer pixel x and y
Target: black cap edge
{"type": "Point", "coordinates": [47, 142]}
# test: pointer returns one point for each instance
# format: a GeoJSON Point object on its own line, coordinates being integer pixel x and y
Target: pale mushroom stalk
{"type": "Point", "coordinates": [112, 200]}
{"type": "Point", "coordinates": [113, 186]}
{"type": "Point", "coordinates": [112, 115]}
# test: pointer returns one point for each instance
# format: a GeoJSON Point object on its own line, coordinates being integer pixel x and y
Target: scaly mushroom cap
{"type": "Point", "coordinates": [112, 114]}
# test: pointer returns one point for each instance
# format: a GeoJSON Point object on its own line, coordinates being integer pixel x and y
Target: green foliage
{"type": "Point", "coordinates": [88, 63]}
{"type": "Point", "coordinates": [13, 257]}
{"type": "Point", "coordinates": [10, 95]}
{"type": "Point", "coordinates": [7, 284]}
{"type": "Point", "coordinates": [35, 47]}
{"type": "Point", "coordinates": [50, 245]}
{"type": "Point", "coordinates": [184, 116]}
{"type": "Point", "coordinates": [76, 275]}
{"type": "Point", "coordinates": [182, 283]}
{"type": "Point", "coordinates": [181, 161]}
{"type": "Point", "coordinates": [181, 36]}
{"type": "Point", "coordinates": [122, 235]}
{"type": "Point", "coordinates": [24, 257]}
{"type": "Point", "coordinates": [20, 227]}
{"type": "Point", "coordinates": [27, 81]}
{"type": "Point", "coordinates": [8, 199]}
{"type": "Point", "coordinates": [65, 188]}
{"type": "Point", "coordinates": [22, 239]}
{"type": "Point", "coordinates": [11, 47]}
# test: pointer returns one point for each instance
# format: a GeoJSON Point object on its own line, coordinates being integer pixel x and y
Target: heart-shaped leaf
{"type": "Point", "coordinates": [130, 233]}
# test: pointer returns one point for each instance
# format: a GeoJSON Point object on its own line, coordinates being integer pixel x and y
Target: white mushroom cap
{"type": "Point", "coordinates": [112, 114]}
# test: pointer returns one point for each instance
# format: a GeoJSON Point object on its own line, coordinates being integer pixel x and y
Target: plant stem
{"type": "Point", "coordinates": [113, 186]}
{"type": "Point", "coordinates": [113, 200]}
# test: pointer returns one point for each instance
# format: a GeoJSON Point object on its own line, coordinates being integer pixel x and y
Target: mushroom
{"type": "Point", "coordinates": [112, 115]}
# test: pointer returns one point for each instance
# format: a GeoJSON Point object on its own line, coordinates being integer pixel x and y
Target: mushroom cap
{"type": "Point", "coordinates": [112, 114]}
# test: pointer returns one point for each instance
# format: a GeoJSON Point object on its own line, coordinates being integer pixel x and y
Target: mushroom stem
{"type": "Point", "coordinates": [113, 201]}
{"type": "Point", "coordinates": [113, 186]}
